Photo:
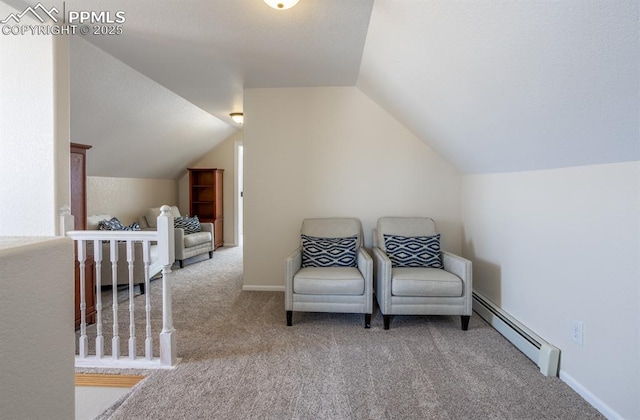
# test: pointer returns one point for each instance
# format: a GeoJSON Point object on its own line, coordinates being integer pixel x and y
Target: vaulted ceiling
{"type": "Point", "coordinates": [492, 85]}
{"type": "Point", "coordinates": [498, 86]}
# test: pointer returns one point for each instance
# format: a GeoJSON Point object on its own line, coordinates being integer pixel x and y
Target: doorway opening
{"type": "Point", "coordinates": [239, 191]}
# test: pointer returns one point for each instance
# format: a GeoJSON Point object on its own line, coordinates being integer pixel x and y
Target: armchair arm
{"type": "Point", "coordinates": [462, 268]}
{"type": "Point", "coordinates": [365, 265]}
{"type": "Point", "coordinates": [208, 227]}
{"type": "Point", "coordinates": [382, 270]}
{"type": "Point", "coordinates": [292, 265]}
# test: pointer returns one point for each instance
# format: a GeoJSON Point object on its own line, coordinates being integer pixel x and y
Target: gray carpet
{"type": "Point", "coordinates": [240, 361]}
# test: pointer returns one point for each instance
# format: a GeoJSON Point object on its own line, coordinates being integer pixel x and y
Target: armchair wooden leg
{"type": "Point", "coordinates": [465, 322]}
{"type": "Point", "coordinates": [367, 320]}
{"type": "Point", "coordinates": [289, 318]}
{"type": "Point", "coordinates": [141, 288]}
{"type": "Point", "coordinates": [210, 254]}
{"type": "Point", "coordinates": [181, 263]}
{"type": "Point", "coordinates": [387, 321]}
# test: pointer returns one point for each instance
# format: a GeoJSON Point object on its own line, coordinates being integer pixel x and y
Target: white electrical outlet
{"type": "Point", "coordinates": [576, 332]}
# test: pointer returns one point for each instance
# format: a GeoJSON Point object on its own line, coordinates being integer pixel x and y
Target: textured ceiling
{"type": "Point", "coordinates": [498, 86]}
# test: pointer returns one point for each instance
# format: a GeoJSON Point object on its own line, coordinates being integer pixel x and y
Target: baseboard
{"type": "Point", "coordinates": [589, 397]}
{"type": "Point", "coordinates": [252, 288]}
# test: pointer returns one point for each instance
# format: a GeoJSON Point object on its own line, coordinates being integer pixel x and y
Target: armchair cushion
{"type": "Point", "coordinates": [432, 282]}
{"type": "Point", "coordinates": [196, 239]}
{"type": "Point", "coordinates": [413, 251]}
{"type": "Point", "coordinates": [333, 228]}
{"type": "Point", "coordinates": [328, 252]}
{"type": "Point", "coordinates": [403, 226]}
{"type": "Point", "coordinates": [151, 216]}
{"type": "Point", "coordinates": [328, 281]}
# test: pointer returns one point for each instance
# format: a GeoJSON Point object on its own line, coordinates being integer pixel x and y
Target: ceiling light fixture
{"type": "Point", "coordinates": [237, 117]}
{"type": "Point", "coordinates": [281, 4]}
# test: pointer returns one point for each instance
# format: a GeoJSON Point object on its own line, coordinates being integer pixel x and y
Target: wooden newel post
{"type": "Point", "coordinates": [166, 256]}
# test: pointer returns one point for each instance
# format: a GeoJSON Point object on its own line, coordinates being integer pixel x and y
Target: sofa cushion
{"type": "Point", "coordinates": [152, 215]}
{"type": "Point", "coordinates": [432, 282]}
{"type": "Point", "coordinates": [328, 281]}
{"type": "Point", "coordinates": [188, 224]}
{"type": "Point", "coordinates": [413, 251]}
{"type": "Point", "coordinates": [328, 252]}
{"type": "Point", "coordinates": [197, 239]}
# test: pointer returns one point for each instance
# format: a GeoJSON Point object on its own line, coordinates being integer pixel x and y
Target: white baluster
{"type": "Point", "coordinates": [97, 256]}
{"type": "Point", "coordinates": [115, 341]}
{"type": "Point", "coordinates": [166, 256]}
{"type": "Point", "coordinates": [132, 308]}
{"type": "Point", "coordinates": [82, 257]}
{"type": "Point", "coordinates": [148, 342]}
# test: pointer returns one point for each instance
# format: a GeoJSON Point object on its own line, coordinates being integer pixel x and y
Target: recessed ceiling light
{"type": "Point", "coordinates": [281, 4]}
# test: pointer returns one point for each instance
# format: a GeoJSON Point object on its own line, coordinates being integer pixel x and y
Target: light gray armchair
{"type": "Point", "coordinates": [408, 280]}
{"type": "Point", "coordinates": [330, 271]}
{"type": "Point", "coordinates": [186, 245]}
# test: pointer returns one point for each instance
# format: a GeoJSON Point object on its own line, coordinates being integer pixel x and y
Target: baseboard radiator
{"type": "Point", "coordinates": [545, 355]}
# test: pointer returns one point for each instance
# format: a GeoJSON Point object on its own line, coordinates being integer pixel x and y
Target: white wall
{"type": "Point", "coordinates": [61, 125]}
{"type": "Point", "coordinates": [36, 326]}
{"type": "Point", "coordinates": [223, 157]}
{"type": "Point", "coordinates": [128, 198]}
{"type": "Point", "coordinates": [556, 246]}
{"type": "Point", "coordinates": [34, 179]}
{"type": "Point", "coordinates": [323, 152]}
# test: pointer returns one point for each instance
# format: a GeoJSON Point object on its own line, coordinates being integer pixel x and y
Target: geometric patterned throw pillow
{"type": "Point", "coordinates": [328, 252]}
{"type": "Point", "coordinates": [189, 224]}
{"type": "Point", "coordinates": [132, 226]}
{"type": "Point", "coordinates": [415, 251]}
{"type": "Point", "coordinates": [112, 224]}
{"type": "Point", "coordinates": [115, 224]}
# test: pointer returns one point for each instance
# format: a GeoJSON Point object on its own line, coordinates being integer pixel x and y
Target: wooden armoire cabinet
{"type": "Point", "coordinates": [78, 182]}
{"type": "Point", "coordinates": [205, 199]}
